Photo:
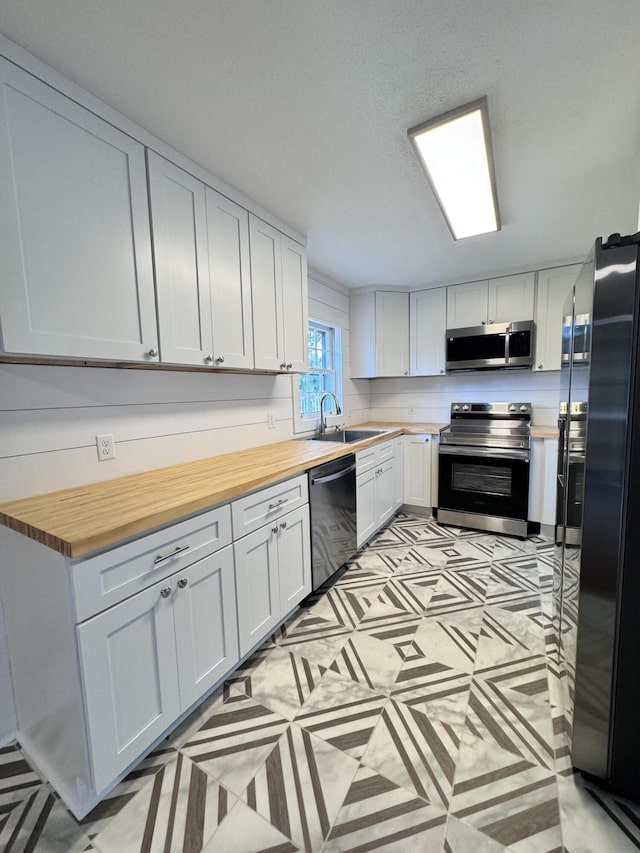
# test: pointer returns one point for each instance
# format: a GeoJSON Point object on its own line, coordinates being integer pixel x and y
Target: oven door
{"type": "Point", "coordinates": [485, 481]}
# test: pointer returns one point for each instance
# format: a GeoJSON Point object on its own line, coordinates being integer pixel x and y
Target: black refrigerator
{"type": "Point", "coordinates": [597, 571]}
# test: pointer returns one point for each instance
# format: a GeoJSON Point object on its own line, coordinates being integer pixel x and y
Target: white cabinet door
{"type": "Point", "coordinates": [392, 334]}
{"type": "Point", "coordinates": [553, 288]}
{"type": "Point", "coordinates": [257, 585]}
{"type": "Point", "coordinates": [179, 221]}
{"type": "Point", "coordinates": [230, 282]}
{"type": "Point", "coordinates": [204, 606]}
{"type": "Point", "coordinates": [294, 558]}
{"type": "Point", "coordinates": [385, 499]}
{"type": "Point", "coordinates": [417, 470]}
{"type": "Point", "coordinates": [295, 313]}
{"type": "Point", "coordinates": [511, 298]}
{"type": "Point", "coordinates": [128, 664]}
{"type": "Point", "coordinates": [467, 304]}
{"type": "Point", "coordinates": [266, 290]}
{"type": "Point", "coordinates": [75, 249]}
{"type": "Point", "coordinates": [366, 505]}
{"type": "Point", "coordinates": [398, 472]}
{"type": "Point", "coordinates": [428, 321]}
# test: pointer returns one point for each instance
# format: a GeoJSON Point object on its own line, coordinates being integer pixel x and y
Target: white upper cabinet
{"type": "Point", "coordinates": [511, 298]}
{"type": "Point", "coordinates": [182, 271]}
{"type": "Point", "coordinates": [428, 316]}
{"type": "Point", "coordinates": [553, 289]}
{"type": "Point", "coordinates": [230, 282]}
{"type": "Point", "coordinates": [295, 311]}
{"type": "Point", "coordinates": [508, 299]}
{"type": "Point", "coordinates": [467, 304]}
{"type": "Point", "coordinates": [379, 334]}
{"type": "Point", "coordinates": [75, 250]}
{"type": "Point", "coordinates": [278, 273]}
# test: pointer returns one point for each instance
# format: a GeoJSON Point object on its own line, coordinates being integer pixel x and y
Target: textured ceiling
{"type": "Point", "coordinates": [304, 106]}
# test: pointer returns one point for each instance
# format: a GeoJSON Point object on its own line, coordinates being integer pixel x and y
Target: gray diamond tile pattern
{"type": "Point", "coordinates": [413, 705]}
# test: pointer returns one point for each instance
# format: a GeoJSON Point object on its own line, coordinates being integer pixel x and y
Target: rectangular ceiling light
{"type": "Point", "coordinates": [455, 152]}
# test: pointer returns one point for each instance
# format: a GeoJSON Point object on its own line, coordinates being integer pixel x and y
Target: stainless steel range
{"type": "Point", "coordinates": [483, 476]}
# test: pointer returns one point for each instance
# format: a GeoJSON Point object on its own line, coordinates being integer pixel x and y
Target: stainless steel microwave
{"type": "Point", "coordinates": [500, 345]}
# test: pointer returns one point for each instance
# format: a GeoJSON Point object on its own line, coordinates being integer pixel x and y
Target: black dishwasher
{"type": "Point", "coordinates": [332, 499]}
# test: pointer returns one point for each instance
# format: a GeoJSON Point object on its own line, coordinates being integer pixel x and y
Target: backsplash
{"type": "Point", "coordinates": [429, 398]}
{"type": "Point", "coordinates": [50, 415]}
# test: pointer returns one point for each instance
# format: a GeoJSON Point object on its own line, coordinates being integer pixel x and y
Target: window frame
{"type": "Point", "coordinates": [307, 422]}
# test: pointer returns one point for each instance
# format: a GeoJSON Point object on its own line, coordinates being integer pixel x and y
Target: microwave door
{"type": "Point", "coordinates": [470, 351]}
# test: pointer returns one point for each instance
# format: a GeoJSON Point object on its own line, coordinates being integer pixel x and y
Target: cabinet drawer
{"type": "Point", "coordinates": [251, 512]}
{"type": "Point", "coordinates": [385, 451]}
{"type": "Point", "coordinates": [102, 581]}
{"type": "Point", "coordinates": [366, 459]}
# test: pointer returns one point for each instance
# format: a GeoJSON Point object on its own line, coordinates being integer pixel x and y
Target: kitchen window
{"type": "Point", "coordinates": [325, 374]}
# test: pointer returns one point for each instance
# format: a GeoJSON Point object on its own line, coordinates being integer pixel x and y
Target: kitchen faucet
{"type": "Point", "coordinates": [323, 422]}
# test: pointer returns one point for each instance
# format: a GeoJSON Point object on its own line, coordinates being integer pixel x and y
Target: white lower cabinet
{"type": "Point", "coordinates": [417, 470]}
{"type": "Point", "coordinates": [273, 573]}
{"type": "Point", "coordinates": [376, 488]}
{"type": "Point", "coordinates": [149, 658]}
{"type": "Point", "coordinates": [542, 481]}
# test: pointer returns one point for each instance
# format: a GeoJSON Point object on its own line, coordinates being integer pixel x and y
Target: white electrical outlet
{"type": "Point", "coordinates": [106, 447]}
{"type": "Point", "coordinates": [270, 421]}
{"type": "Point", "coordinates": [412, 409]}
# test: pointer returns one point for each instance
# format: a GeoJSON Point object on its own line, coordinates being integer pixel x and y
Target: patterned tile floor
{"type": "Point", "coordinates": [406, 709]}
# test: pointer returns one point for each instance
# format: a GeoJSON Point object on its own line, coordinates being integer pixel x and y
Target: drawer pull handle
{"type": "Point", "coordinates": [278, 503]}
{"type": "Point", "coordinates": [165, 592]}
{"type": "Point", "coordinates": [160, 558]}
{"type": "Point", "coordinates": [283, 525]}
{"type": "Point", "coordinates": [182, 583]}
{"type": "Point", "coordinates": [274, 529]}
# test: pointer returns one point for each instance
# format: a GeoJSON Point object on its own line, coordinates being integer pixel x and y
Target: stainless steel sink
{"type": "Point", "coordinates": [346, 436]}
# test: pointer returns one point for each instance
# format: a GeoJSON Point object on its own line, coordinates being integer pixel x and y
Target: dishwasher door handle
{"type": "Point", "coordinates": [317, 481]}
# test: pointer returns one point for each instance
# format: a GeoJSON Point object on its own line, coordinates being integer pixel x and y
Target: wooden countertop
{"type": "Point", "coordinates": [76, 521]}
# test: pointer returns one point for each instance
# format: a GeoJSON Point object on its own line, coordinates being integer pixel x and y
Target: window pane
{"type": "Point", "coordinates": [320, 348]}
{"type": "Point", "coordinates": [312, 387]}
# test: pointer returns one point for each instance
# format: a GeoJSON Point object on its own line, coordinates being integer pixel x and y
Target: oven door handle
{"type": "Point", "coordinates": [489, 452]}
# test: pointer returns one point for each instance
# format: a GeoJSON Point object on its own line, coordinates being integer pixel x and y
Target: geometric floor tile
{"type": "Point", "coordinates": [446, 642]}
{"type": "Point", "coordinates": [371, 662]}
{"type": "Point", "coordinates": [244, 831]}
{"type": "Point", "coordinates": [283, 681]}
{"type": "Point", "coordinates": [342, 712]}
{"type": "Point", "coordinates": [505, 797]}
{"type": "Point", "coordinates": [511, 722]}
{"type": "Point", "coordinates": [437, 690]}
{"type": "Point", "coordinates": [379, 814]}
{"type": "Point", "coordinates": [39, 821]}
{"type": "Point", "coordinates": [179, 811]}
{"type": "Point", "coordinates": [301, 787]}
{"type": "Point", "coordinates": [415, 752]}
{"type": "Point", "coordinates": [464, 838]}
{"type": "Point", "coordinates": [517, 670]}
{"type": "Point", "coordinates": [235, 741]}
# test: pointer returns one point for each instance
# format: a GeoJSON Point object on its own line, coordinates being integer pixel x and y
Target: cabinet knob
{"type": "Point", "coordinates": [406, 373]}
{"type": "Point", "coordinates": [220, 359]}
{"type": "Point", "coordinates": [182, 583]}
{"type": "Point", "coordinates": [209, 359]}
{"type": "Point", "coordinates": [283, 525]}
{"type": "Point", "coordinates": [153, 352]}
{"type": "Point", "coordinates": [442, 371]}
{"type": "Point", "coordinates": [165, 592]}
{"type": "Point", "coordinates": [283, 366]}
{"type": "Point", "coordinates": [290, 365]}
{"type": "Point", "coordinates": [539, 367]}
{"type": "Point", "coordinates": [484, 322]}
{"type": "Point", "coordinates": [491, 322]}
{"type": "Point", "coordinates": [274, 529]}
{"type": "Point", "coordinates": [426, 441]}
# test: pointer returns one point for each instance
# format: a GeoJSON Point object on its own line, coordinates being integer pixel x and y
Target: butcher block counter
{"type": "Point", "coordinates": [77, 521]}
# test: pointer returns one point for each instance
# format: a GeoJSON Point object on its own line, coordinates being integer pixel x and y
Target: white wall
{"type": "Point", "coordinates": [49, 417]}
{"type": "Point", "coordinates": [432, 395]}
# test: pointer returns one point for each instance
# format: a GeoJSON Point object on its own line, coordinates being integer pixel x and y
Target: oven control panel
{"type": "Point", "coordinates": [495, 409]}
